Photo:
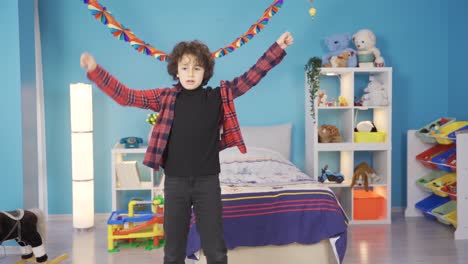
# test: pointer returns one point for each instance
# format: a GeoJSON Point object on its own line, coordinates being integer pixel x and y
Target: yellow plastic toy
{"type": "Point", "coordinates": [342, 101]}
{"type": "Point", "coordinates": [128, 226]}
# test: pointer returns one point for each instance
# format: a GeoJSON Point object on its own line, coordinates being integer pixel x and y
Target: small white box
{"type": "Point", "coordinates": [128, 175]}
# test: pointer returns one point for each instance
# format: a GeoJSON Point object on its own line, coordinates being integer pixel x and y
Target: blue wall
{"type": "Point", "coordinates": [10, 109]}
{"type": "Point", "coordinates": [412, 36]}
{"type": "Point", "coordinates": [458, 40]}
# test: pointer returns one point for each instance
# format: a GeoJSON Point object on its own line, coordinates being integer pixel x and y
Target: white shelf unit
{"type": "Point", "coordinates": [347, 154]}
{"type": "Point", "coordinates": [150, 179]}
{"type": "Point", "coordinates": [415, 170]}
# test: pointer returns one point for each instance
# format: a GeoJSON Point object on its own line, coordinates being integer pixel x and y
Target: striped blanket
{"type": "Point", "coordinates": [280, 216]}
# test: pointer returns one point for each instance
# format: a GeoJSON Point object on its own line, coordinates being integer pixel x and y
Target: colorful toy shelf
{"type": "Point", "coordinates": [441, 158]}
{"type": "Point", "coordinates": [434, 175]}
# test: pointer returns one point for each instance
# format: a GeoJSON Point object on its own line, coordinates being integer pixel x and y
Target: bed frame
{"type": "Point", "coordinates": [277, 138]}
{"type": "Point", "coordinates": [294, 253]}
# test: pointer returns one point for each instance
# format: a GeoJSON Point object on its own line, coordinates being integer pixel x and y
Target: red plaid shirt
{"type": "Point", "coordinates": [162, 100]}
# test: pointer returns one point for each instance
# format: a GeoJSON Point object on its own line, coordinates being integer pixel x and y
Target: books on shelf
{"type": "Point", "coordinates": [128, 175]}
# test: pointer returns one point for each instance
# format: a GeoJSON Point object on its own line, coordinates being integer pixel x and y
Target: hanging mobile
{"type": "Point", "coordinates": [312, 10]}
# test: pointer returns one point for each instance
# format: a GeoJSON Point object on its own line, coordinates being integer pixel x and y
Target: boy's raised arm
{"type": "Point", "coordinates": [266, 62]}
{"type": "Point", "coordinates": [146, 99]}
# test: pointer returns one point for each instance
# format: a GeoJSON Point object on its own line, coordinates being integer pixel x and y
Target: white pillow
{"type": "Point", "coordinates": [277, 138]}
{"type": "Point", "coordinates": [253, 153]}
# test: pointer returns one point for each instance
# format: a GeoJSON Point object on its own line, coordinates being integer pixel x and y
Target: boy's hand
{"type": "Point", "coordinates": [285, 40]}
{"type": "Point", "coordinates": [87, 62]}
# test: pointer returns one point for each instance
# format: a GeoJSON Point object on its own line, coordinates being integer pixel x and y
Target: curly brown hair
{"type": "Point", "coordinates": [199, 50]}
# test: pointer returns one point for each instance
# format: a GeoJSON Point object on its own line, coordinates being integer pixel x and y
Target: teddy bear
{"type": "Point", "coordinates": [337, 44]}
{"type": "Point", "coordinates": [375, 94]}
{"type": "Point", "coordinates": [368, 55]}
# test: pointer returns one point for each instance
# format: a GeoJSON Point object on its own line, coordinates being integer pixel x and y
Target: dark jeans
{"type": "Point", "coordinates": [204, 193]}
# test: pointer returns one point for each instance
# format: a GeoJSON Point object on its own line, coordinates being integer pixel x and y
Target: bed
{"type": "Point", "coordinates": [274, 213]}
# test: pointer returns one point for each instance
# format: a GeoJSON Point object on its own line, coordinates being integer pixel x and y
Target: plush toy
{"type": "Point", "coordinates": [375, 94]}
{"type": "Point", "coordinates": [28, 228]}
{"type": "Point", "coordinates": [368, 55]}
{"type": "Point", "coordinates": [360, 177]}
{"type": "Point", "coordinates": [342, 101]}
{"type": "Point", "coordinates": [329, 134]}
{"type": "Point", "coordinates": [363, 175]}
{"type": "Point", "coordinates": [337, 44]}
{"type": "Point", "coordinates": [322, 99]}
{"type": "Point", "coordinates": [365, 126]}
{"type": "Point", "coordinates": [340, 60]}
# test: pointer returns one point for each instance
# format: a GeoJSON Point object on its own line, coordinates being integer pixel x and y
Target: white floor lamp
{"type": "Point", "coordinates": [81, 117]}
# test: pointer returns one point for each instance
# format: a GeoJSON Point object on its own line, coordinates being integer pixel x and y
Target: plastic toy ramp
{"type": "Point", "coordinates": [56, 260]}
{"type": "Point", "coordinates": [154, 220]}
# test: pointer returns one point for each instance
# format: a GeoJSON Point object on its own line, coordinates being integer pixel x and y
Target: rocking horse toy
{"type": "Point", "coordinates": [28, 229]}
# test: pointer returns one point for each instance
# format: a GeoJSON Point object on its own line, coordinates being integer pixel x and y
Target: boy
{"type": "Point", "coordinates": [186, 138]}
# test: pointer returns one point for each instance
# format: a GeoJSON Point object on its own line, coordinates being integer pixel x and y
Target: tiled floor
{"type": "Point", "coordinates": [412, 240]}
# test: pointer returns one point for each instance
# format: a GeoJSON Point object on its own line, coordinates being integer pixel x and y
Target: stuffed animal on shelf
{"type": "Point", "coordinates": [329, 134]}
{"type": "Point", "coordinates": [322, 98]}
{"type": "Point", "coordinates": [342, 101]}
{"type": "Point", "coordinates": [336, 45]}
{"type": "Point", "coordinates": [365, 126]}
{"type": "Point", "coordinates": [364, 175]}
{"type": "Point", "coordinates": [360, 176]}
{"type": "Point", "coordinates": [340, 61]}
{"type": "Point", "coordinates": [375, 95]}
{"type": "Point", "coordinates": [368, 55]}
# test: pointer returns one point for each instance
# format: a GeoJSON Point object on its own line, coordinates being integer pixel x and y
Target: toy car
{"type": "Point", "coordinates": [330, 176]}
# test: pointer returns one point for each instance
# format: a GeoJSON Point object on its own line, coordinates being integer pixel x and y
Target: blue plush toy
{"type": "Point", "coordinates": [337, 44]}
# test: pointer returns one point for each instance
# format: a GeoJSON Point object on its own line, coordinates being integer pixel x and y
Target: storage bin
{"type": "Point", "coordinates": [453, 135]}
{"type": "Point", "coordinates": [437, 184]}
{"type": "Point", "coordinates": [368, 205]}
{"type": "Point", "coordinates": [422, 182]}
{"type": "Point", "coordinates": [429, 203]}
{"type": "Point", "coordinates": [424, 133]}
{"type": "Point", "coordinates": [452, 218]}
{"type": "Point", "coordinates": [443, 160]}
{"type": "Point", "coordinates": [451, 163]}
{"type": "Point", "coordinates": [450, 190]}
{"type": "Point", "coordinates": [442, 137]}
{"type": "Point", "coordinates": [426, 156]}
{"type": "Point", "coordinates": [370, 137]}
{"type": "Point", "coordinates": [442, 211]}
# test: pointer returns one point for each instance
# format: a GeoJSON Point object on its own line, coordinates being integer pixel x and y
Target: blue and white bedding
{"type": "Point", "coordinates": [268, 201]}
{"type": "Point", "coordinates": [258, 167]}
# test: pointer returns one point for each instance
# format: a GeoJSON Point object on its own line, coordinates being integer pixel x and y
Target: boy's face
{"type": "Point", "coordinates": [190, 73]}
